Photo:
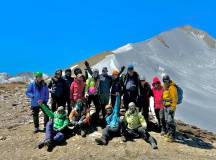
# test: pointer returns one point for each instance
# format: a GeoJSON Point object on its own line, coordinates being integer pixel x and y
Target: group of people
{"type": "Point", "coordinates": [119, 103]}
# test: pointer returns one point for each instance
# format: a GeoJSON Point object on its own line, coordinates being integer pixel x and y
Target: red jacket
{"type": "Point", "coordinates": [77, 90]}
{"type": "Point", "coordinates": [158, 94]}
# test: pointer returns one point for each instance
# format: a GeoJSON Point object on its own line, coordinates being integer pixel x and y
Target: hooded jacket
{"type": "Point", "coordinates": [60, 121]}
{"type": "Point", "coordinates": [170, 96]}
{"type": "Point", "coordinates": [92, 86]}
{"type": "Point", "coordinates": [77, 90]}
{"type": "Point", "coordinates": [37, 92]}
{"type": "Point", "coordinates": [58, 87]}
{"type": "Point", "coordinates": [158, 94]}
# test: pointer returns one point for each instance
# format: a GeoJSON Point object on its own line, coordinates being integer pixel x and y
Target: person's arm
{"type": "Point", "coordinates": [72, 91]}
{"type": "Point", "coordinates": [116, 107]}
{"type": "Point", "coordinates": [46, 94]}
{"type": "Point", "coordinates": [88, 68]}
{"type": "Point", "coordinates": [121, 71]}
{"type": "Point", "coordinates": [29, 91]}
{"type": "Point", "coordinates": [142, 121]}
{"type": "Point", "coordinates": [174, 97]}
{"type": "Point", "coordinates": [87, 117]}
{"type": "Point", "coordinates": [46, 110]}
{"type": "Point", "coordinates": [87, 86]}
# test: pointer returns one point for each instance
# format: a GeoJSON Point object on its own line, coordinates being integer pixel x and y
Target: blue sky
{"type": "Point", "coordinates": [38, 35]}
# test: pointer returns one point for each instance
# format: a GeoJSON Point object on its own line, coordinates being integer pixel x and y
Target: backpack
{"type": "Point", "coordinates": [180, 93]}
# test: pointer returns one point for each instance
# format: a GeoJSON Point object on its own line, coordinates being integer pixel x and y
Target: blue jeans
{"type": "Point", "coordinates": [51, 134]}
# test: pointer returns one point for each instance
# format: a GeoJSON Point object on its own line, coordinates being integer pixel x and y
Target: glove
{"type": "Point", "coordinates": [87, 64]}
{"type": "Point", "coordinates": [40, 101]}
{"type": "Point", "coordinates": [122, 68]}
{"type": "Point", "coordinates": [80, 123]}
{"type": "Point", "coordinates": [86, 95]}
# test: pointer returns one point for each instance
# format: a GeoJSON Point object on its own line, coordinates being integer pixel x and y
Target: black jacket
{"type": "Point", "coordinates": [58, 87]}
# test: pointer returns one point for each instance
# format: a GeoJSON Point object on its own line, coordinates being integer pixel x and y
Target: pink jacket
{"type": "Point", "coordinates": [77, 90]}
{"type": "Point", "coordinates": [158, 94]}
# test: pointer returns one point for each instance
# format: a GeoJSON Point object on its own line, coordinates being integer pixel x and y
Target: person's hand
{"type": "Point", "coordinates": [40, 101]}
{"type": "Point", "coordinates": [122, 68]}
{"type": "Point", "coordinates": [87, 64]}
{"type": "Point", "coordinates": [117, 94]}
{"type": "Point", "coordinates": [86, 95]}
{"type": "Point", "coordinates": [79, 123]}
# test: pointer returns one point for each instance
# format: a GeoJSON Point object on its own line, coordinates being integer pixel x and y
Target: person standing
{"type": "Point", "coordinates": [170, 99]}
{"type": "Point", "coordinates": [131, 86]}
{"type": "Point", "coordinates": [68, 79]}
{"type": "Point", "coordinates": [37, 90]}
{"type": "Point", "coordinates": [158, 103]}
{"type": "Point", "coordinates": [58, 88]}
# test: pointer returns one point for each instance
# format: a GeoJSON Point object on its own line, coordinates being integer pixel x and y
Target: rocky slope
{"type": "Point", "coordinates": [17, 140]}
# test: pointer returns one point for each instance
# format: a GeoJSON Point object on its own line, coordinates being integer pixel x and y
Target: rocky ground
{"type": "Point", "coordinates": [17, 140]}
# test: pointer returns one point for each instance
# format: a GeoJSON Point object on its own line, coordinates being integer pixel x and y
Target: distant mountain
{"type": "Point", "coordinates": [188, 55]}
{"type": "Point", "coordinates": [19, 78]}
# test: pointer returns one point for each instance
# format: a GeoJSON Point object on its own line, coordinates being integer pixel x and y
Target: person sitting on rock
{"type": "Point", "coordinates": [133, 125]}
{"type": "Point", "coordinates": [112, 123]}
{"type": "Point", "coordinates": [56, 128]}
{"type": "Point", "coordinates": [38, 91]}
{"type": "Point", "coordinates": [80, 118]}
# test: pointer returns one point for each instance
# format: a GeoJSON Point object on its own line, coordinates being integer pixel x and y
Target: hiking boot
{"type": "Point", "coordinates": [41, 145]}
{"type": "Point", "coordinates": [36, 130]}
{"type": "Point", "coordinates": [100, 141]}
{"type": "Point", "coordinates": [124, 139]}
{"type": "Point", "coordinates": [83, 133]}
{"type": "Point", "coordinates": [163, 133]}
{"type": "Point", "coordinates": [170, 139]}
{"type": "Point", "coordinates": [153, 143]}
{"type": "Point", "coordinates": [49, 145]}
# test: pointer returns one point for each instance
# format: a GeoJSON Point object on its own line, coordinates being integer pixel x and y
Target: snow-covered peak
{"type": "Point", "coordinates": [125, 48]}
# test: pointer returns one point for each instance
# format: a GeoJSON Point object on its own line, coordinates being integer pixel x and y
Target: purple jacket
{"type": "Point", "coordinates": [37, 92]}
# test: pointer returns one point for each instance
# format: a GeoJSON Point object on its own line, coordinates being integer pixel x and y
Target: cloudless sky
{"type": "Point", "coordinates": [43, 35]}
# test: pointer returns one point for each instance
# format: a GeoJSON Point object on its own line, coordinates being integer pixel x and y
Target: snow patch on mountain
{"type": "Point", "coordinates": [188, 55]}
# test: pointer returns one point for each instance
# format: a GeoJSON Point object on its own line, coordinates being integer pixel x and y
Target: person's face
{"type": "Point", "coordinates": [61, 111]}
{"type": "Point", "coordinates": [58, 75]}
{"type": "Point", "coordinates": [130, 72]}
{"type": "Point", "coordinates": [95, 75]}
{"type": "Point", "coordinates": [132, 109]}
{"type": "Point", "coordinates": [166, 83]}
{"type": "Point", "coordinates": [115, 76]}
{"type": "Point", "coordinates": [104, 72]}
{"type": "Point", "coordinates": [39, 79]}
{"type": "Point", "coordinates": [68, 74]}
{"type": "Point", "coordinates": [156, 85]}
{"type": "Point", "coordinates": [80, 78]}
{"type": "Point", "coordinates": [109, 111]}
{"type": "Point", "coordinates": [143, 82]}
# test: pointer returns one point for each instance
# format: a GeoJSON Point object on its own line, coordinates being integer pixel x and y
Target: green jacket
{"type": "Point", "coordinates": [60, 121]}
{"type": "Point", "coordinates": [135, 120]}
{"type": "Point", "coordinates": [92, 86]}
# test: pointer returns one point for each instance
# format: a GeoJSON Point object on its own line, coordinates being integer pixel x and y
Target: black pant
{"type": "Point", "coordinates": [110, 132]}
{"type": "Point", "coordinates": [136, 133]}
{"type": "Point", "coordinates": [57, 102]}
{"type": "Point", "coordinates": [95, 100]}
{"type": "Point", "coordinates": [161, 119]}
{"type": "Point", "coordinates": [35, 114]}
{"type": "Point", "coordinates": [129, 97]}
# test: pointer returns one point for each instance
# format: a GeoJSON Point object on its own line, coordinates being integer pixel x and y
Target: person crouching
{"type": "Point", "coordinates": [80, 118]}
{"type": "Point", "coordinates": [133, 125]}
{"type": "Point", "coordinates": [56, 128]}
{"type": "Point", "coordinates": [112, 123]}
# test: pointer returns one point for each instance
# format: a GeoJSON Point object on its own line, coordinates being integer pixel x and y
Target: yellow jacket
{"type": "Point", "coordinates": [170, 96]}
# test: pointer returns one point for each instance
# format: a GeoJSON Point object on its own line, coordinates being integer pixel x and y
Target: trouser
{"type": "Point", "coordinates": [136, 133]}
{"type": "Point", "coordinates": [129, 97]}
{"type": "Point", "coordinates": [160, 114]}
{"type": "Point", "coordinates": [35, 114]}
{"type": "Point", "coordinates": [52, 135]}
{"type": "Point", "coordinates": [83, 127]}
{"type": "Point", "coordinates": [104, 100]}
{"type": "Point", "coordinates": [144, 109]}
{"type": "Point", "coordinates": [109, 132]}
{"type": "Point", "coordinates": [95, 100]}
{"type": "Point", "coordinates": [170, 121]}
{"type": "Point", "coordinates": [57, 102]}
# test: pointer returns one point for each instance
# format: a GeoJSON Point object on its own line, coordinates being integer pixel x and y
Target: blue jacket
{"type": "Point", "coordinates": [113, 119]}
{"type": "Point", "coordinates": [37, 92]}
